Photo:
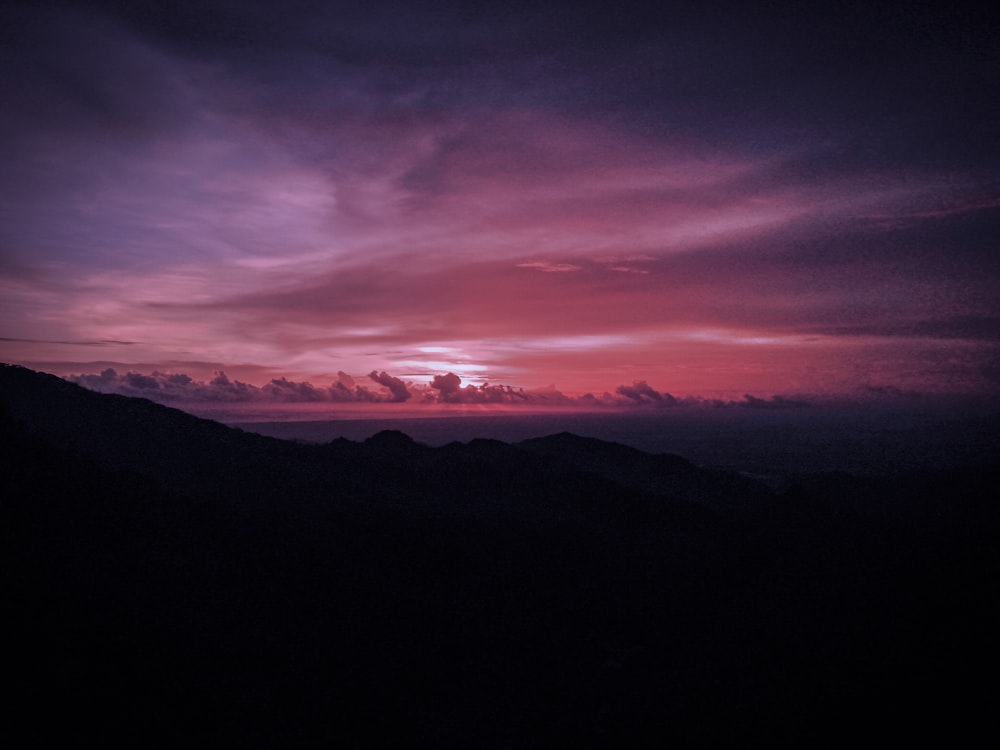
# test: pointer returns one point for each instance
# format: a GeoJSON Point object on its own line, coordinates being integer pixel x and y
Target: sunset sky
{"type": "Point", "coordinates": [703, 198]}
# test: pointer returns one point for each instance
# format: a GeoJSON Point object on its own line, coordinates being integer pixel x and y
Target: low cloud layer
{"type": "Point", "coordinates": [179, 389]}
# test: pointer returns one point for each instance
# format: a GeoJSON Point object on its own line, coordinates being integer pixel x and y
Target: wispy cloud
{"type": "Point", "coordinates": [549, 267]}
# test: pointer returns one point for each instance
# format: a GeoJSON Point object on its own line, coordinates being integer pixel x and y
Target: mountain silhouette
{"type": "Point", "coordinates": [169, 581]}
{"type": "Point", "coordinates": [661, 474]}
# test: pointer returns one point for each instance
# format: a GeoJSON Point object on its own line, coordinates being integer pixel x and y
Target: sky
{"type": "Point", "coordinates": [501, 202]}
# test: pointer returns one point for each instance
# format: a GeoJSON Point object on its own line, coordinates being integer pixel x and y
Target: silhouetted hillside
{"type": "Point", "coordinates": [170, 581]}
{"type": "Point", "coordinates": [662, 474]}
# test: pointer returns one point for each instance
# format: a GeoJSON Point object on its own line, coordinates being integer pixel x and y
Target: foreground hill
{"type": "Point", "coordinates": [171, 581]}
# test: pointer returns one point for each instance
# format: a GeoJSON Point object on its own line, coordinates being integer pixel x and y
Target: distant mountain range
{"type": "Point", "coordinates": [171, 581]}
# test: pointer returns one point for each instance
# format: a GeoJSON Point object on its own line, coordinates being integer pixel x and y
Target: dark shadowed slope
{"type": "Point", "coordinates": [172, 582]}
{"type": "Point", "coordinates": [660, 474]}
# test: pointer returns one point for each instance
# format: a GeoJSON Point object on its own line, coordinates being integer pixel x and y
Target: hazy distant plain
{"type": "Point", "coordinates": [780, 442]}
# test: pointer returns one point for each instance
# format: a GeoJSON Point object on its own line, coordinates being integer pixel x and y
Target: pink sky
{"type": "Point", "coordinates": [301, 219]}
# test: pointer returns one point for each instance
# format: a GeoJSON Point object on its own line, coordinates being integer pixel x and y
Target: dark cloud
{"type": "Point", "coordinates": [78, 72]}
{"type": "Point", "coordinates": [448, 385]}
{"type": "Point", "coordinates": [874, 80]}
{"type": "Point", "coordinates": [145, 382]}
{"type": "Point", "coordinates": [641, 393]}
{"type": "Point", "coordinates": [972, 328]}
{"type": "Point", "coordinates": [281, 389]}
{"type": "Point", "coordinates": [396, 386]}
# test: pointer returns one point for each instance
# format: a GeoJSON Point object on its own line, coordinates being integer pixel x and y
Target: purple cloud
{"type": "Point", "coordinates": [641, 393]}
{"type": "Point", "coordinates": [396, 386]}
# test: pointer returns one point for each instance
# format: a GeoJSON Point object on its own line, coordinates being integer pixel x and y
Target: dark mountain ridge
{"type": "Point", "coordinates": [170, 581]}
